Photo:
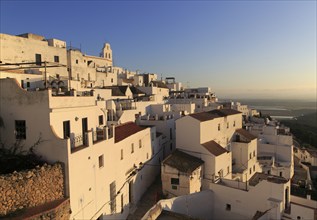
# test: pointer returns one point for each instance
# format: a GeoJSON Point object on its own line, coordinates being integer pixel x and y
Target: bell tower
{"type": "Point", "coordinates": [106, 52]}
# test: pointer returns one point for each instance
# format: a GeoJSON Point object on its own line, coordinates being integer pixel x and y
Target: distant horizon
{"type": "Point", "coordinates": [241, 49]}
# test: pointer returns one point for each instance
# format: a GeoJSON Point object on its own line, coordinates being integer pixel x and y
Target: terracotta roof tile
{"type": "Point", "coordinates": [214, 148]}
{"type": "Point", "coordinates": [246, 134]}
{"type": "Point", "coordinates": [183, 162]}
{"type": "Point", "coordinates": [218, 113]}
{"type": "Point", "coordinates": [125, 130]}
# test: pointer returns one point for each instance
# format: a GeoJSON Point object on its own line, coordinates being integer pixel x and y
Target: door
{"type": "Point", "coordinates": [131, 192]}
{"type": "Point", "coordinates": [84, 129]}
{"type": "Point", "coordinates": [66, 129]}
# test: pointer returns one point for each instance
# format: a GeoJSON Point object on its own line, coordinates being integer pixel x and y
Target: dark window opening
{"type": "Point", "coordinates": [171, 133]}
{"type": "Point", "coordinates": [175, 181]}
{"type": "Point", "coordinates": [100, 119]}
{"type": "Point", "coordinates": [101, 161]}
{"type": "Point", "coordinates": [56, 59]}
{"type": "Point", "coordinates": [38, 59]}
{"type": "Point", "coordinates": [20, 129]}
{"type": "Point", "coordinates": [66, 129]}
{"type": "Point", "coordinates": [228, 207]}
{"type": "Point", "coordinates": [27, 84]}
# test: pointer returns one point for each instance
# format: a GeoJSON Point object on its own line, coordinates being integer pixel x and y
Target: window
{"type": "Point", "coordinates": [38, 59]}
{"type": "Point", "coordinates": [20, 129]}
{"type": "Point", "coordinates": [101, 161]}
{"type": "Point", "coordinates": [174, 187]}
{"type": "Point", "coordinates": [113, 195]}
{"type": "Point", "coordinates": [66, 129]}
{"type": "Point", "coordinates": [147, 155]}
{"type": "Point", "coordinates": [27, 84]}
{"type": "Point", "coordinates": [299, 218]}
{"type": "Point", "coordinates": [227, 124]}
{"type": "Point", "coordinates": [152, 136]}
{"type": "Point", "coordinates": [140, 143]}
{"type": "Point", "coordinates": [234, 123]}
{"type": "Point", "coordinates": [175, 181]}
{"type": "Point", "coordinates": [254, 153]}
{"type": "Point", "coordinates": [250, 156]}
{"type": "Point", "coordinates": [111, 80]}
{"type": "Point", "coordinates": [76, 61]}
{"type": "Point", "coordinates": [132, 148]}
{"type": "Point", "coordinates": [228, 170]}
{"type": "Point", "coordinates": [78, 77]}
{"type": "Point", "coordinates": [281, 173]}
{"type": "Point", "coordinates": [250, 171]}
{"type": "Point", "coordinates": [228, 207]}
{"type": "Point", "coordinates": [121, 154]}
{"type": "Point", "coordinates": [171, 133]}
{"type": "Point", "coordinates": [56, 59]}
{"type": "Point", "coordinates": [253, 168]}
{"type": "Point", "coordinates": [100, 119]}
{"type": "Point", "coordinates": [218, 127]}
{"type": "Point", "coordinates": [122, 203]}
{"type": "Point", "coordinates": [171, 146]}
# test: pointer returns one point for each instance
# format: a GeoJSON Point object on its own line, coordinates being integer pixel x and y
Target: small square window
{"type": "Point", "coordinates": [228, 207]}
{"type": "Point", "coordinates": [56, 59]}
{"type": "Point", "coordinates": [175, 181]}
{"type": "Point", "coordinates": [174, 187]}
{"type": "Point", "coordinates": [101, 161]}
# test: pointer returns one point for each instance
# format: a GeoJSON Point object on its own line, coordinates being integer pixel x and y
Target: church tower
{"type": "Point", "coordinates": [106, 52]}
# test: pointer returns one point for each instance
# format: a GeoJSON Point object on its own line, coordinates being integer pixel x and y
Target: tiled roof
{"type": "Point", "coordinates": [218, 113]}
{"type": "Point", "coordinates": [246, 134]}
{"type": "Point", "coordinates": [214, 148]}
{"type": "Point", "coordinates": [125, 130]}
{"type": "Point", "coordinates": [224, 112]}
{"type": "Point", "coordinates": [183, 162]}
{"type": "Point", "coordinates": [203, 116]}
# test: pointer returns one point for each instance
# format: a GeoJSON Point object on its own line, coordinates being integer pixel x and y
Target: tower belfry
{"type": "Point", "coordinates": [106, 52]}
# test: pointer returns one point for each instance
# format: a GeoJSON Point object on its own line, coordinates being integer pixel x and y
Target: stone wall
{"type": "Point", "coordinates": [30, 188]}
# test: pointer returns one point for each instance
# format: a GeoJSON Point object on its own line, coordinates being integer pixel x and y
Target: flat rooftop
{"type": "Point", "coordinates": [258, 177]}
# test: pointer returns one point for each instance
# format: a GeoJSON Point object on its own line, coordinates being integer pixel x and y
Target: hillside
{"type": "Point", "coordinates": [304, 128]}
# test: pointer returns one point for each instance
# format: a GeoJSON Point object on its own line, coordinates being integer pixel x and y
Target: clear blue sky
{"type": "Point", "coordinates": [240, 49]}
